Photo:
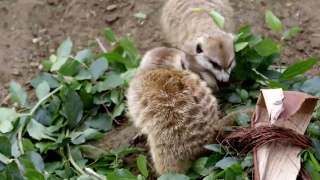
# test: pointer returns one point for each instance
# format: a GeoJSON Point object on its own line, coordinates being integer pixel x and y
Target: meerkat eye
{"type": "Point", "coordinates": [215, 65]}
{"type": "Point", "coordinates": [199, 49]}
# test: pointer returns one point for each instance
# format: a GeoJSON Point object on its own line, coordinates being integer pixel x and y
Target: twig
{"type": "Point", "coordinates": [74, 164]}
{"type": "Point", "coordinates": [33, 110]}
{"type": "Point", "coordinates": [4, 101]}
{"type": "Point", "coordinates": [101, 45]}
{"type": "Point", "coordinates": [96, 175]}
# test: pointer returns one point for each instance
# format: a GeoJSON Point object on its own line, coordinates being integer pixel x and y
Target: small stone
{"type": "Point", "coordinates": [36, 40]}
{"type": "Point", "coordinates": [111, 7]}
{"type": "Point", "coordinates": [15, 72]}
{"type": "Point", "coordinates": [111, 18]}
{"type": "Point", "coordinates": [34, 64]}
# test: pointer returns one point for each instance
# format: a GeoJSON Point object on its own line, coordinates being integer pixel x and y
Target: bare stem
{"type": "Point", "coordinates": [33, 110]}
{"type": "Point", "coordinates": [74, 164]}
{"type": "Point", "coordinates": [101, 45]}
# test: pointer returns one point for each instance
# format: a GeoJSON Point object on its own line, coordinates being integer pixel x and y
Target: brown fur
{"type": "Point", "coordinates": [174, 108]}
{"type": "Point", "coordinates": [185, 29]}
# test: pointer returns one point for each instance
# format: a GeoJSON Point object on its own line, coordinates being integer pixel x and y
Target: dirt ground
{"type": "Point", "coordinates": [30, 30]}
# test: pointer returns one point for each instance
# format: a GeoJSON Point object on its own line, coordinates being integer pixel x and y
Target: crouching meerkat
{"type": "Point", "coordinates": [197, 34]}
{"type": "Point", "coordinates": [173, 107]}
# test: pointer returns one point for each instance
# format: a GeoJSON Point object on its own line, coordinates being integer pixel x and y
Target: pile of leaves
{"type": "Point", "coordinates": [80, 96]}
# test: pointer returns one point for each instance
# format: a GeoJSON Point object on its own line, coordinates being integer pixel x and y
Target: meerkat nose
{"type": "Point", "coordinates": [224, 77]}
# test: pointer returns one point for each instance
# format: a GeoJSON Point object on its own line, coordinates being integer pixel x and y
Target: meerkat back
{"type": "Point", "coordinates": [176, 110]}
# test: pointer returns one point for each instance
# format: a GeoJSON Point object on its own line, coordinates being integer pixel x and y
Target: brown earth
{"type": "Point", "coordinates": [30, 30]}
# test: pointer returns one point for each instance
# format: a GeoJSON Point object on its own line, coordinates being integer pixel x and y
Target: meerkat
{"type": "Point", "coordinates": [196, 34]}
{"type": "Point", "coordinates": [174, 108]}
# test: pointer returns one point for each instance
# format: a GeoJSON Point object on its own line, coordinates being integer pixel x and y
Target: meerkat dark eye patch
{"type": "Point", "coordinates": [215, 65]}
{"type": "Point", "coordinates": [199, 49]}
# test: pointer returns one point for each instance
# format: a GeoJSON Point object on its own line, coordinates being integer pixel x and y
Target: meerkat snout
{"type": "Point", "coordinates": [215, 53]}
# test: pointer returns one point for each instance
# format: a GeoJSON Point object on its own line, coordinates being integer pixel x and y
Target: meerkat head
{"type": "Point", "coordinates": [215, 53]}
{"type": "Point", "coordinates": [163, 57]}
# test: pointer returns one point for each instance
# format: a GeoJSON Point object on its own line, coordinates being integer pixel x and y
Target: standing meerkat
{"type": "Point", "coordinates": [197, 34]}
{"type": "Point", "coordinates": [174, 108]}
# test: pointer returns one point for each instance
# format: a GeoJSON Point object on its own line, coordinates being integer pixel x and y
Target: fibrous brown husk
{"type": "Point", "coordinates": [247, 139]}
{"type": "Point", "coordinates": [276, 134]}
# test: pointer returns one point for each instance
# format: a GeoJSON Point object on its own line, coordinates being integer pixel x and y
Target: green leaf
{"type": "Point", "coordinates": [253, 40]}
{"type": "Point", "coordinates": [101, 121]}
{"type": "Point", "coordinates": [240, 46]}
{"type": "Point", "coordinates": [142, 165]}
{"type": "Point", "coordinates": [273, 22]}
{"type": "Point", "coordinates": [140, 15]}
{"type": "Point", "coordinates": [290, 32]}
{"type": "Point", "coordinates": [90, 133]}
{"type": "Point", "coordinates": [98, 67]}
{"type": "Point", "coordinates": [298, 68]}
{"type": "Point", "coordinates": [77, 138]}
{"type": "Point", "coordinates": [27, 145]}
{"type": "Point", "coordinates": [42, 90]}
{"type": "Point", "coordinates": [199, 166]}
{"type": "Point", "coordinates": [173, 176]}
{"type": "Point", "coordinates": [121, 174]}
{"type": "Point", "coordinates": [314, 161]}
{"type": "Point", "coordinates": [217, 18]}
{"type": "Point", "coordinates": [17, 94]}
{"type": "Point", "coordinates": [64, 49]}
{"type": "Point", "coordinates": [83, 75]}
{"type": "Point", "coordinates": [6, 117]}
{"type": "Point", "coordinates": [31, 174]}
{"type": "Point", "coordinates": [213, 159]}
{"type": "Point", "coordinates": [13, 172]}
{"type": "Point", "coordinates": [247, 162]}
{"type": "Point", "coordinates": [316, 145]}
{"type": "Point", "coordinates": [36, 160]}
{"type": "Point", "coordinates": [128, 75]}
{"type": "Point", "coordinates": [83, 55]}
{"type": "Point", "coordinates": [266, 47]}
{"type": "Point", "coordinates": [234, 98]}
{"type": "Point", "coordinates": [111, 81]}
{"type": "Point", "coordinates": [4, 159]}
{"type": "Point", "coordinates": [233, 172]}
{"type": "Point", "coordinates": [70, 68]}
{"type": "Point", "coordinates": [63, 54]}
{"type": "Point", "coordinates": [53, 83]}
{"type": "Point", "coordinates": [118, 110]}
{"type": "Point", "coordinates": [38, 131]}
{"type": "Point", "coordinates": [275, 84]}
{"type": "Point", "coordinates": [244, 94]}
{"type": "Point", "coordinates": [311, 86]}
{"type": "Point", "coordinates": [128, 46]}
{"type": "Point", "coordinates": [5, 147]}
{"type": "Point", "coordinates": [314, 173]}
{"type": "Point", "coordinates": [227, 162]}
{"type": "Point", "coordinates": [124, 150]}
{"type": "Point", "coordinates": [109, 35]}
{"type": "Point", "coordinates": [215, 148]}
{"type": "Point", "coordinates": [72, 108]}
{"type": "Point", "coordinates": [243, 119]}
